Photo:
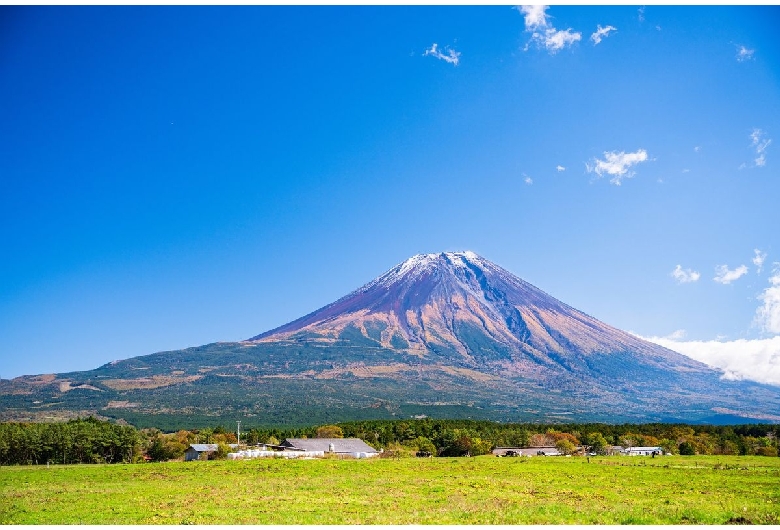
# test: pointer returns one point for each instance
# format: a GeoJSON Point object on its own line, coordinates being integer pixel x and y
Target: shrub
{"type": "Point", "coordinates": [222, 451]}
{"type": "Point", "coordinates": [687, 448]}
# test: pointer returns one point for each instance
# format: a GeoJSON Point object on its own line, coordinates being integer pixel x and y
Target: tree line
{"type": "Point", "coordinates": [80, 441]}
{"type": "Point", "coordinates": [94, 441]}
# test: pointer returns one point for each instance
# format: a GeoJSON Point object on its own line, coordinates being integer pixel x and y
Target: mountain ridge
{"type": "Point", "coordinates": [439, 334]}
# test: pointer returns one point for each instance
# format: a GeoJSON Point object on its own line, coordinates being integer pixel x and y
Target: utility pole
{"type": "Point", "coordinates": [238, 432]}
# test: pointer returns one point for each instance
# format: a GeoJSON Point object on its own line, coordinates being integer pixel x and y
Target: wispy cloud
{"type": "Point", "coordinates": [528, 180]}
{"type": "Point", "coordinates": [543, 33]}
{"type": "Point", "coordinates": [601, 33]}
{"type": "Point", "coordinates": [744, 54]}
{"type": "Point", "coordinates": [755, 360]}
{"type": "Point", "coordinates": [758, 259]}
{"type": "Point", "coordinates": [560, 168]}
{"type": "Point", "coordinates": [685, 275]}
{"type": "Point", "coordinates": [768, 314]}
{"type": "Point", "coordinates": [677, 335]}
{"type": "Point", "coordinates": [641, 15]}
{"type": "Point", "coordinates": [759, 142]}
{"type": "Point", "coordinates": [725, 276]}
{"type": "Point", "coordinates": [449, 55]}
{"type": "Point", "coordinates": [616, 165]}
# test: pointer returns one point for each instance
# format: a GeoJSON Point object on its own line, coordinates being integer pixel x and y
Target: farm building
{"type": "Point", "coordinates": [342, 446]}
{"type": "Point", "coordinates": [643, 451]}
{"type": "Point", "coordinates": [199, 451]}
{"type": "Point", "coordinates": [526, 451]}
{"type": "Point", "coordinates": [202, 451]}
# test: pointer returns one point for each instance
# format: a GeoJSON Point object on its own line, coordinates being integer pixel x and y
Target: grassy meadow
{"type": "Point", "coordinates": [480, 490]}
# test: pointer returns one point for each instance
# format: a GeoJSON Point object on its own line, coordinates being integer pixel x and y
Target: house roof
{"type": "Point", "coordinates": [340, 445]}
{"type": "Point", "coordinates": [201, 448]}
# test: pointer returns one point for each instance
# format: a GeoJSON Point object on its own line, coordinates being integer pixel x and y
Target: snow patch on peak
{"type": "Point", "coordinates": [412, 267]}
{"type": "Point", "coordinates": [420, 264]}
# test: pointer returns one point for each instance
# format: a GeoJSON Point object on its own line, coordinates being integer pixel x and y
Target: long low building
{"type": "Point", "coordinates": [259, 453]}
{"type": "Point", "coordinates": [341, 446]}
{"type": "Point", "coordinates": [526, 451]}
{"type": "Point", "coordinates": [643, 451]}
{"type": "Point", "coordinates": [309, 448]}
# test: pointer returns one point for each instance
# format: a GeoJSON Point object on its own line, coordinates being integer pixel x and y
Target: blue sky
{"type": "Point", "coordinates": [174, 176]}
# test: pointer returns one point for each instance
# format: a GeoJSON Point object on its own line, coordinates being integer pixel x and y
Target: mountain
{"type": "Point", "coordinates": [443, 335]}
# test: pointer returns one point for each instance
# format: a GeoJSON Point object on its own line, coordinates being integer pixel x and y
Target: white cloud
{"type": "Point", "coordinates": [685, 275]}
{"type": "Point", "coordinates": [617, 165]}
{"type": "Point", "coordinates": [760, 142]}
{"type": "Point", "coordinates": [450, 55]}
{"type": "Point", "coordinates": [642, 14]}
{"type": "Point", "coordinates": [758, 259]}
{"type": "Point", "coordinates": [601, 33]}
{"type": "Point", "coordinates": [555, 40]}
{"type": "Point", "coordinates": [697, 149]}
{"type": "Point", "coordinates": [725, 276]}
{"type": "Point", "coordinates": [560, 168]}
{"type": "Point", "coordinates": [768, 315]}
{"type": "Point", "coordinates": [543, 33]}
{"type": "Point", "coordinates": [744, 54]}
{"type": "Point", "coordinates": [528, 180]}
{"type": "Point", "coordinates": [754, 360]}
{"type": "Point", "coordinates": [535, 16]}
{"type": "Point", "coordinates": [677, 335]}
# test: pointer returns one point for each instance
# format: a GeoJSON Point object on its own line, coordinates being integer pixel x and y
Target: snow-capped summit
{"type": "Point", "coordinates": [468, 309]}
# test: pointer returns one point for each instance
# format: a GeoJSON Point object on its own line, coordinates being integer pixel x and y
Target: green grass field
{"type": "Point", "coordinates": [482, 490]}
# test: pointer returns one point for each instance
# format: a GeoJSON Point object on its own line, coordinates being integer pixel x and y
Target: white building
{"type": "Point", "coordinates": [643, 451]}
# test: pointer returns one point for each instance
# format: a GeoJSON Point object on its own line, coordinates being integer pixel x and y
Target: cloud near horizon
{"type": "Point", "coordinates": [768, 314]}
{"type": "Point", "coordinates": [754, 360]}
{"type": "Point", "coordinates": [725, 276]}
{"type": "Point", "coordinates": [685, 275]}
{"type": "Point", "coordinates": [617, 165]}
{"type": "Point", "coordinates": [450, 55]}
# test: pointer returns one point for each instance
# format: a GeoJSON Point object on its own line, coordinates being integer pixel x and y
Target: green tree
{"type": "Point", "coordinates": [597, 443]}
{"type": "Point", "coordinates": [687, 448]}
{"type": "Point", "coordinates": [565, 446]}
{"type": "Point", "coordinates": [159, 451]}
{"type": "Point", "coordinates": [669, 446]}
{"type": "Point", "coordinates": [421, 443]}
{"type": "Point", "coordinates": [222, 451]}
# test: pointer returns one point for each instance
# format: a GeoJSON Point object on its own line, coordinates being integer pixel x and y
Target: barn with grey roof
{"type": "Point", "coordinates": [329, 445]}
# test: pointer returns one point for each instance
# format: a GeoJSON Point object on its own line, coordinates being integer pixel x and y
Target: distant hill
{"type": "Point", "coordinates": [442, 335]}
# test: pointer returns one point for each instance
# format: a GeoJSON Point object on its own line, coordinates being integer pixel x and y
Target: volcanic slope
{"type": "Point", "coordinates": [444, 335]}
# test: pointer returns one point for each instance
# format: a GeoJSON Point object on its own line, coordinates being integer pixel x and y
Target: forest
{"type": "Point", "coordinates": [91, 441]}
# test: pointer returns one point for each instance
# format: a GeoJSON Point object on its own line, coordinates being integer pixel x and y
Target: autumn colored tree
{"type": "Point", "coordinates": [330, 431]}
{"type": "Point", "coordinates": [565, 446]}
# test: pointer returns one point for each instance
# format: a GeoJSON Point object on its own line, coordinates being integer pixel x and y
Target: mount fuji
{"type": "Point", "coordinates": [442, 335]}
